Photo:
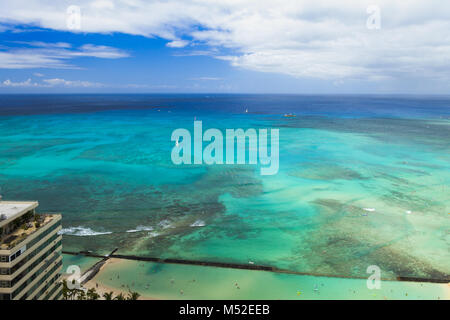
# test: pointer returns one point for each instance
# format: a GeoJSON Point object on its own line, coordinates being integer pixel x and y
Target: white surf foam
{"type": "Point", "coordinates": [81, 232]}
{"type": "Point", "coordinates": [164, 224]}
{"type": "Point", "coordinates": [140, 228]}
{"type": "Point", "coordinates": [198, 223]}
{"type": "Point", "coordinates": [153, 234]}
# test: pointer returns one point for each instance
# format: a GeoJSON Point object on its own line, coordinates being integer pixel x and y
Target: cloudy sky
{"type": "Point", "coordinates": [236, 46]}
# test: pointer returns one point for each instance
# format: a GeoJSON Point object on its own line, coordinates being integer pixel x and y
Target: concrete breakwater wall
{"type": "Point", "coordinates": [92, 271]}
{"type": "Point", "coordinates": [249, 266]}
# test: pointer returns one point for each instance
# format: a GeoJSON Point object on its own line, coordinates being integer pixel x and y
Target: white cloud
{"type": "Point", "coordinates": [45, 44]}
{"type": "Point", "coordinates": [26, 83]}
{"type": "Point", "coordinates": [177, 44]}
{"type": "Point", "coordinates": [301, 38]}
{"type": "Point", "coordinates": [50, 83]}
{"type": "Point", "coordinates": [63, 83]}
{"type": "Point", "coordinates": [90, 50]}
{"type": "Point", "coordinates": [56, 82]}
{"type": "Point", "coordinates": [147, 86]}
{"type": "Point", "coordinates": [52, 55]}
{"type": "Point", "coordinates": [27, 58]}
{"type": "Point", "coordinates": [213, 52]}
{"type": "Point", "coordinates": [207, 79]}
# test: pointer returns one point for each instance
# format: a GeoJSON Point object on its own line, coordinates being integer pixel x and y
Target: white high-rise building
{"type": "Point", "coordinates": [30, 252]}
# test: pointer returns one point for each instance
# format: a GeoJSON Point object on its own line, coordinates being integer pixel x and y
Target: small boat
{"type": "Point", "coordinates": [289, 115]}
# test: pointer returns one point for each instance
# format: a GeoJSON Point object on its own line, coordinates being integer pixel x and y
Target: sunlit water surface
{"type": "Point", "coordinates": [362, 180]}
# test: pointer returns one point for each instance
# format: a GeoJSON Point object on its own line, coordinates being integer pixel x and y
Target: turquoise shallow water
{"type": "Point", "coordinates": [109, 173]}
{"type": "Point", "coordinates": [83, 262]}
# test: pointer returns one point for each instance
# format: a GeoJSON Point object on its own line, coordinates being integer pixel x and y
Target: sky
{"type": "Point", "coordinates": [225, 46]}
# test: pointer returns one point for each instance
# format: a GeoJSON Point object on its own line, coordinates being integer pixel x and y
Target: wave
{"type": "Point", "coordinates": [153, 234]}
{"type": "Point", "coordinates": [164, 224]}
{"type": "Point", "coordinates": [81, 232]}
{"type": "Point", "coordinates": [140, 228]}
{"type": "Point", "coordinates": [198, 223]}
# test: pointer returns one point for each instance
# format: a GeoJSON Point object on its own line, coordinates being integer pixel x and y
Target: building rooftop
{"type": "Point", "coordinates": [9, 241]}
{"type": "Point", "coordinates": [13, 209]}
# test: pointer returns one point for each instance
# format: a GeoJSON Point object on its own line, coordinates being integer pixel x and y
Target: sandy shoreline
{"type": "Point", "coordinates": [102, 288]}
{"type": "Point", "coordinates": [125, 275]}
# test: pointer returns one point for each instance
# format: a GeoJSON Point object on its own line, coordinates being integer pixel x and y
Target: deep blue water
{"type": "Point", "coordinates": [328, 105]}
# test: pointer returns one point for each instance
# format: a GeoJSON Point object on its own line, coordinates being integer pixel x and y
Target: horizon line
{"type": "Point", "coordinates": [228, 93]}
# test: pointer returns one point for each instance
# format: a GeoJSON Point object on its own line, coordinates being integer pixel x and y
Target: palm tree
{"type": "Point", "coordinates": [81, 295]}
{"type": "Point", "coordinates": [73, 292]}
{"type": "Point", "coordinates": [65, 290]}
{"type": "Point", "coordinates": [92, 294]}
{"type": "Point", "coordinates": [120, 297]}
{"type": "Point", "coordinates": [133, 295]}
{"type": "Point", "coordinates": [68, 294]}
{"type": "Point", "coordinates": [108, 295]}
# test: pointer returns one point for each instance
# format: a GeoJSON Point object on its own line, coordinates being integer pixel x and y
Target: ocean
{"type": "Point", "coordinates": [363, 180]}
